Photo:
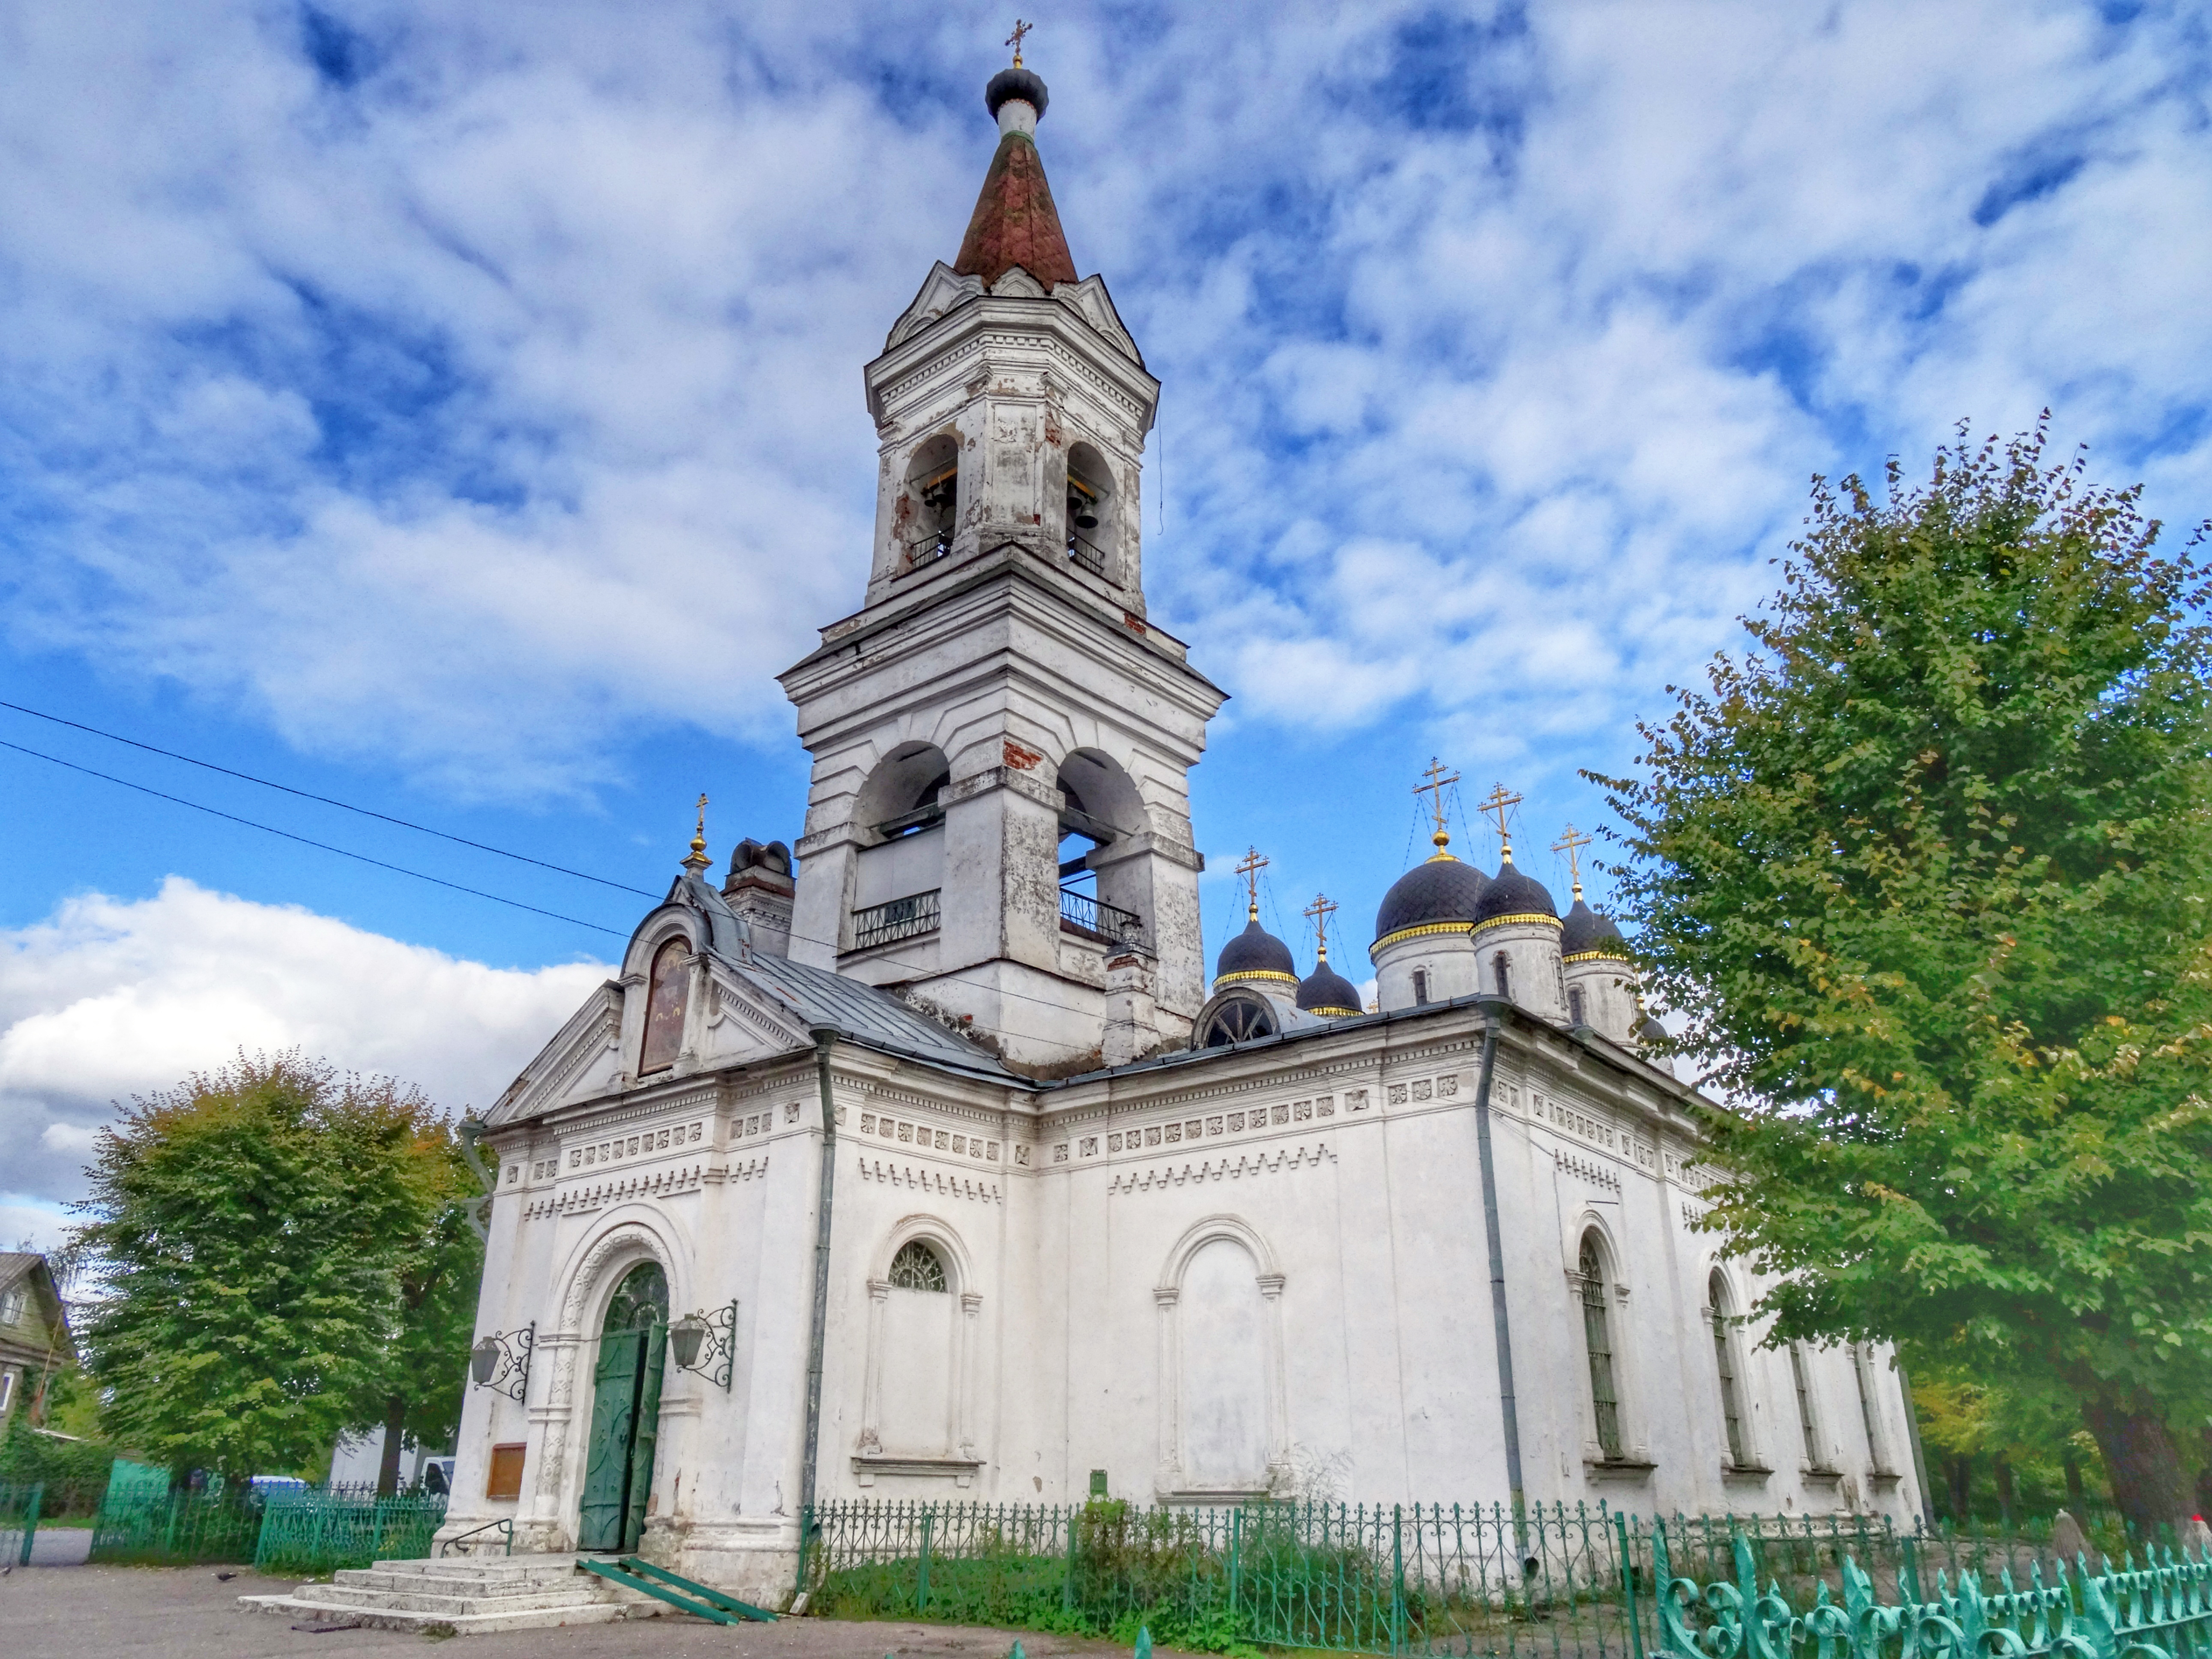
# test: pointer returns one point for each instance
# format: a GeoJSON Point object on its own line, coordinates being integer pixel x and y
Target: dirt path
{"type": "Point", "coordinates": [187, 1612]}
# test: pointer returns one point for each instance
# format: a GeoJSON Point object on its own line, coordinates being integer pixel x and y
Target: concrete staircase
{"type": "Point", "coordinates": [470, 1595]}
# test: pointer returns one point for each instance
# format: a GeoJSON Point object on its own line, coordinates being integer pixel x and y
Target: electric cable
{"type": "Point", "coordinates": [327, 800]}
{"type": "Point", "coordinates": [321, 846]}
{"type": "Point", "coordinates": [419, 875]}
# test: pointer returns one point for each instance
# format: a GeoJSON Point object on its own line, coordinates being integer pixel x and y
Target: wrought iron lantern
{"type": "Point", "coordinates": [502, 1361]}
{"type": "Point", "coordinates": [707, 1343]}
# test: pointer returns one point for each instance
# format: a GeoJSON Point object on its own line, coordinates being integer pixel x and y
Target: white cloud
{"type": "Point", "coordinates": [499, 405]}
{"type": "Point", "coordinates": [110, 998]}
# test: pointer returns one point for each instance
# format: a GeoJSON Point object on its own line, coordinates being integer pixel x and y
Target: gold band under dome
{"type": "Point", "coordinates": [1425, 929]}
{"type": "Point", "coordinates": [1256, 973]}
{"type": "Point", "coordinates": [1537, 916]}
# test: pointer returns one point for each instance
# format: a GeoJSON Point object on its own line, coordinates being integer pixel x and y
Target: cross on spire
{"type": "Point", "coordinates": [1571, 844]}
{"type": "Point", "coordinates": [1015, 38]}
{"type": "Point", "coordinates": [1496, 804]}
{"type": "Point", "coordinates": [697, 860]}
{"type": "Point", "coordinates": [1438, 781]}
{"type": "Point", "coordinates": [1318, 913]}
{"type": "Point", "coordinates": [1249, 867]}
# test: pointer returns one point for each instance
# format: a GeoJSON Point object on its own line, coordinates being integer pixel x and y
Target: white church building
{"type": "Point", "coordinates": [959, 1177]}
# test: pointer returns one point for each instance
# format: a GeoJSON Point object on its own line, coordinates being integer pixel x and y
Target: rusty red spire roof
{"type": "Point", "coordinates": [1015, 222]}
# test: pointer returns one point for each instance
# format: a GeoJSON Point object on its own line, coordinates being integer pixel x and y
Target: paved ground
{"type": "Point", "coordinates": [186, 1612]}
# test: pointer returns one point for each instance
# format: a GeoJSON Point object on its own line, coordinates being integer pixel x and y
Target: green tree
{"type": "Point", "coordinates": [251, 1229]}
{"type": "Point", "coordinates": [1925, 874]}
{"type": "Point", "coordinates": [416, 1390]}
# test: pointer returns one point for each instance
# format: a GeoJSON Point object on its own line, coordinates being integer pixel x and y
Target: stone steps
{"type": "Point", "coordinates": [467, 1595]}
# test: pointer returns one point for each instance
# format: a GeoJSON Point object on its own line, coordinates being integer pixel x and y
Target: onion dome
{"type": "Point", "coordinates": [1438, 896]}
{"type": "Point", "coordinates": [1015, 222]}
{"type": "Point", "coordinates": [1254, 957]}
{"type": "Point", "coordinates": [1584, 933]}
{"type": "Point", "coordinates": [1326, 992]}
{"type": "Point", "coordinates": [1513, 896]}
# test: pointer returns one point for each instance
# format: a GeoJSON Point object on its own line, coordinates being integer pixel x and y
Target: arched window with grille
{"type": "Point", "coordinates": [1420, 986]}
{"type": "Point", "coordinates": [1724, 1362]}
{"type": "Point", "coordinates": [1597, 1339]}
{"type": "Point", "coordinates": [1502, 965]}
{"type": "Point", "coordinates": [1576, 1014]}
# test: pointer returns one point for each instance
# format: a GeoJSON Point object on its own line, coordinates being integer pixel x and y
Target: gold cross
{"type": "Point", "coordinates": [1438, 781]}
{"type": "Point", "coordinates": [1318, 913]}
{"type": "Point", "coordinates": [1496, 804]}
{"type": "Point", "coordinates": [1571, 844]}
{"type": "Point", "coordinates": [698, 859]}
{"type": "Point", "coordinates": [1250, 868]}
{"type": "Point", "coordinates": [1015, 40]}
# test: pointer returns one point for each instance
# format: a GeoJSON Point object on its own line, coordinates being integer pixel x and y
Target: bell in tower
{"type": "Point", "coordinates": [999, 820]}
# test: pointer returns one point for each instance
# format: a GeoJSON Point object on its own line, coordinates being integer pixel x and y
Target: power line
{"type": "Point", "coordinates": [327, 800]}
{"type": "Point", "coordinates": [419, 875]}
{"type": "Point", "coordinates": [321, 846]}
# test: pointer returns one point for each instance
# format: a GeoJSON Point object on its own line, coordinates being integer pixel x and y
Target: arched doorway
{"type": "Point", "coordinates": [625, 1411]}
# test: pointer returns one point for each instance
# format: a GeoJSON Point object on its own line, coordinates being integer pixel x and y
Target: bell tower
{"type": "Point", "coordinates": [999, 820]}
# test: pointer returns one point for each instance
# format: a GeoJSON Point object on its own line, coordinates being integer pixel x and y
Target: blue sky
{"type": "Point", "coordinates": [457, 410]}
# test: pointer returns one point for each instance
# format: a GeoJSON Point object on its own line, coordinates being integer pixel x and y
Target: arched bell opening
{"type": "Point", "coordinates": [928, 513]}
{"type": "Point", "coordinates": [1089, 522]}
{"type": "Point", "coordinates": [1103, 898]}
{"type": "Point", "coordinates": [900, 870]}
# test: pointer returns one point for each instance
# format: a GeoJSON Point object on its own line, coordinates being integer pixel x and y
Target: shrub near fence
{"type": "Point", "coordinates": [1429, 1578]}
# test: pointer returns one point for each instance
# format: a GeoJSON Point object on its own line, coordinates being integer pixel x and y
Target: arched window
{"type": "Point", "coordinates": [1870, 1415]}
{"type": "Point", "coordinates": [1807, 1414]}
{"type": "Point", "coordinates": [1420, 985]}
{"type": "Point", "coordinates": [1597, 1337]}
{"type": "Point", "coordinates": [1575, 1012]}
{"type": "Point", "coordinates": [1236, 1017]}
{"type": "Point", "coordinates": [1724, 1361]}
{"type": "Point", "coordinates": [917, 1268]}
{"type": "Point", "coordinates": [1502, 965]}
{"type": "Point", "coordinates": [663, 1006]}
{"type": "Point", "coordinates": [916, 1337]}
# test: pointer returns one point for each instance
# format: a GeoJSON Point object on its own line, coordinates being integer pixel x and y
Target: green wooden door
{"type": "Point", "coordinates": [614, 1430]}
{"type": "Point", "coordinates": [625, 1412]}
{"type": "Point", "coordinates": [645, 1437]}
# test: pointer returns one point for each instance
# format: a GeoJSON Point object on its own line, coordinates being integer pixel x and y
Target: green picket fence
{"type": "Point", "coordinates": [1442, 1579]}
{"type": "Point", "coordinates": [306, 1533]}
{"type": "Point", "coordinates": [21, 1503]}
{"type": "Point", "coordinates": [215, 1523]}
{"type": "Point", "coordinates": [296, 1531]}
{"type": "Point", "coordinates": [2160, 1609]}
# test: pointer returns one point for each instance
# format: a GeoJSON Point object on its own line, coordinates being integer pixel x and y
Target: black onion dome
{"type": "Point", "coordinates": [1513, 893]}
{"type": "Point", "coordinates": [1009, 84]}
{"type": "Point", "coordinates": [1256, 953]}
{"type": "Point", "coordinates": [1325, 990]}
{"type": "Point", "coordinates": [1583, 933]}
{"type": "Point", "coordinates": [1445, 890]}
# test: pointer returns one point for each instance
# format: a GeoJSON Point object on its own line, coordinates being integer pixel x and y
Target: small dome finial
{"type": "Point", "coordinates": [1318, 913]}
{"type": "Point", "coordinates": [697, 861]}
{"type": "Point", "coordinates": [1438, 781]}
{"type": "Point", "coordinates": [1496, 804]}
{"type": "Point", "coordinates": [1249, 867]}
{"type": "Point", "coordinates": [1571, 844]}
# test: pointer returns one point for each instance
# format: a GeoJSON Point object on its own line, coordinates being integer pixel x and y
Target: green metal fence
{"type": "Point", "coordinates": [2158, 1610]}
{"type": "Point", "coordinates": [310, 1532]}
{"type": "Point", "coordinates": [215, 1523]}
{"type": "Point", "coordinates": [1441, 1579]}
{"type": "Point", "coordinates": [20, 1506]}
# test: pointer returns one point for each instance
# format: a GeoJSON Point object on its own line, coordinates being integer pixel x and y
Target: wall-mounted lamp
{"type": "Point", "coordinates": [502, 1361]}
{"type": "Point", "coordinates": [697, 1341]}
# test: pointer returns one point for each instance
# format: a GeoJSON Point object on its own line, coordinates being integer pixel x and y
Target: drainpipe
{"type": "Point", "coordinates": [1502, 1328]}
{"type": "Point", "coordinates": [1919, 1457]}
{"type": "Point", "coordinates": [825, 1038]}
